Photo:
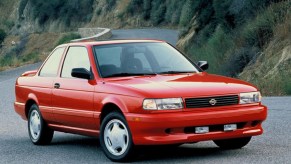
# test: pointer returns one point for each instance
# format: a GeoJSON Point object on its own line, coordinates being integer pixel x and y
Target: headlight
{"type": "Point", "coordinates": [162, 104]}
{"type": "Point", "coordinates": [251, 97]}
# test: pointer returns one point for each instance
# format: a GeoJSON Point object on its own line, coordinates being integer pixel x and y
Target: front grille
{"type": "Point", "coordinates": [211, 101]}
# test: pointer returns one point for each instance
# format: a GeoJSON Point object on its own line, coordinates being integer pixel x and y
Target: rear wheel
{"type": "Point", "coordinates": [235, 143]}
{"type": "Point", "coordinates": [39, 132]}
{"type": "Point", "coordinates": [115, 138]}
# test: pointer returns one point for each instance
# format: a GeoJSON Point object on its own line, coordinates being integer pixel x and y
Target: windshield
{"type": "Point", "coordinates": [132, 59]}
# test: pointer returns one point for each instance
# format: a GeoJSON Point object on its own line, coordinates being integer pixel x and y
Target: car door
{"type": "Point", "coordinates": [43, 83]}
{"type": "Point", "coordinates": [72, 98]}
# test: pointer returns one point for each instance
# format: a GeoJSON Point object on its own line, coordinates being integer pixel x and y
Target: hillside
{"type": "Point", "coordinates": [240, 38]}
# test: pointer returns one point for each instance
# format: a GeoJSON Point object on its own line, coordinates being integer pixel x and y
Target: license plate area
{"type": "Point", "coordinates": [229, 127]}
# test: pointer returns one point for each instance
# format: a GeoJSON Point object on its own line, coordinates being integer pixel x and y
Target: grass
{"type": "Point", "coordinates": [11, 60]}
{"type": "Point", "coordinates": [230, 50]}
{"type": "Point", "coordinates": [68, 37]}
{"type": "Point", "coordinates": [214, 51]}
{"type": "Point", "coordinates": [32, 48]}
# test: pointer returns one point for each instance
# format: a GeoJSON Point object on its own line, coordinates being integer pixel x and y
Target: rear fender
{"type": "Point", "coordinates": [29, 73]}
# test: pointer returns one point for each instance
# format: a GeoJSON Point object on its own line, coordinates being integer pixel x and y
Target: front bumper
{"type": "Point", "coordinates": [173, 127]}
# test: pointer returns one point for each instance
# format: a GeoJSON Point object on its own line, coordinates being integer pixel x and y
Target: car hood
{"type": "Point", "coordinates": [180, 85]}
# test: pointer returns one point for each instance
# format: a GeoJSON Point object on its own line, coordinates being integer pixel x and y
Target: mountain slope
{"type": "Point", "coordinates": [239, 38]}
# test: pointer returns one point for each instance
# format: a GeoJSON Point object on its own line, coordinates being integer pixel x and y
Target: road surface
{"type": "Point", "coordinates": [170, 36]}
{"type": "Point", "coordinates": [274, 146]}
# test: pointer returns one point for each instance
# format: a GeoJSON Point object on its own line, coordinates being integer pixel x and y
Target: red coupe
{"type": "Point", "coordinates": [136, 92]}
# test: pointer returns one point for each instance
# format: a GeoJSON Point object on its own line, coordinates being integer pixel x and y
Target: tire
{"type": "Point", "coordinates": [115, 138]}
{"type": "Point", "coordinates": [235, 143]}
{"type": "Point", "coordinates": [39, 132]}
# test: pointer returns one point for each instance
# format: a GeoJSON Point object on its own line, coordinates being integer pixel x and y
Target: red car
{"type": "Point", "coordinates": [136, 92]}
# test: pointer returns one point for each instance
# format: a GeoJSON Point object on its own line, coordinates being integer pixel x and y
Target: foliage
{"type": "Point", "coordinates": [31, 57]}
{"type": "Point", "coordinates": [228, 33]}
{"type": "Point", "coordinates": [2, 35]}
{"type": "Point", "coordinates": [135, 6]}
{"type": "Point", "coordinates": [287, 86]}
{"type": "Point", "coordinates": [146, 9]}
{"type": "Point", "coordinates": [98, 11]}
{"type": "Point", "coordinates": [158, 11]}
{"type": "Point", "coordinates": [13, 57]}
{"type": "Point", "coordinates": [21, 7]}
{"type": "Point", "coordinates": [68, 37]}
{"type": "Point", "coordinates": [110, 4]}
{"type": "Point", "coordinates": [229, 40]}
{"type": "Point", "coordinates": [66, 10]}
{"type": "Point", "coordinates": [188, 11]}
{"type": "Point", "coordinates": [173, 12]}
{"type": "Point", "coordinates": [214, 50]}
{"type": "Point", "coordinates": [9, 24]}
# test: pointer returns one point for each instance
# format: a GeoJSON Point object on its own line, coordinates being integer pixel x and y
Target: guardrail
{"type": "Point", "coordinates": [93, 34]}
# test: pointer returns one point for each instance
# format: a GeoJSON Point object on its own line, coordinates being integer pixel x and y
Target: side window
{"type": "Point", "coordinates": [50, 68]}
{"type": "Point", "coordinates": [77, 57]}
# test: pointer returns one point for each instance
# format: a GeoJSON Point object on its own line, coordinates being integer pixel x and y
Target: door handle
{"type": "Point", "coordinates": [57, 85]}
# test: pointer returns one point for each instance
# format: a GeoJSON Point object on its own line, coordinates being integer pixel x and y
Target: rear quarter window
{"type": "Point", "coordinates": [50, 68]}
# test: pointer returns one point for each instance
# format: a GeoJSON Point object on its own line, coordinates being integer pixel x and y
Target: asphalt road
{"type": "Point", "coordinates": [170, 36]}
{"type": "Point", "coordinates": [274, 146]}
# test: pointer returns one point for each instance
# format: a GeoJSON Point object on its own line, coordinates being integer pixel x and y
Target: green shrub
{"type": "Point", "coordinates": [230, 44]}
{"type": "Point", "coordinates": [287, 87]}
{"type": "Point", "coordinates": [31, 57]}
{"type": "Point", "coordinates": [187, 13]}
{"type": "Point", "coordinates": [205, 12]}
{"type": "Point", "coordinates": [14, 56]}
{"type": "Point", "coordinates": [9, 23]}
{"type": "Point", "coordinates": [157, 14]}
{"type": "Point", "coordinates": [68, 37]}
{"type": "Point", "coordinates": [21, 7]}
{"type": "Point", "coordinates": [10, 59]}
{"type": "Point", "coordinates": [259, 31]}
{"type": "Point", "coordinates": [146, 9]}
{"type": "Point", "coordinates": [214, 51]}
{"type": "Point", "coordinates": [98, 11]}
{"type": "Point", "coordinates": [239, 59]}
{"type": "Point", "coordinates": [173, 12]}
{"type": "Point", "coordinates": [68, 10]}
{"type": "Point", "coordinates": [20, 47]}
{"type": "Point", "coordinates": [110, 4]}
{"type": "Point", "coordinates": [2, 35]}
{"type": "Point", "coordinates": [6, 60]}
{"type": "Point", "coordinates": [134, 6]}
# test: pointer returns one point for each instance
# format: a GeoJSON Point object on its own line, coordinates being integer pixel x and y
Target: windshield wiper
{"type": "Point", "coordinates": [129, 74]}
{"type": "Point", "coordinates": [176, 72]}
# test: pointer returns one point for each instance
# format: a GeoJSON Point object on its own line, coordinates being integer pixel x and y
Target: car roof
{"type": "Point", "coordinates": [95, 43]}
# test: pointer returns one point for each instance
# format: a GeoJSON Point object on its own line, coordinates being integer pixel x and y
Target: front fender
{"type": "Point", "coordinates": [116, 101]}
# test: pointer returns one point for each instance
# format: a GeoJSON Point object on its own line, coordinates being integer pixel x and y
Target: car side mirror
{"type": "Point", "coordinates": [203, 65]}
{"type": "Point", "coordinates": [81, 73]}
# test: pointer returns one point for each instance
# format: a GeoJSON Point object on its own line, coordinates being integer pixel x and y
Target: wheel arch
{"type": "Point", "coordinates": [111, 104]}
{"type": "Point", "coordinates": [28, 104]}
{"type": "Point", "coordinates": [109, 108]}
{"type": "Point", "coordinates": [30, 101]}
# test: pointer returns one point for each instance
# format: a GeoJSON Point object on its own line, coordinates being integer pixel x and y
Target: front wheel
{"type": "Point", "coordinates": [39, 132]}
{"type": "Point", "coordinates": [235, 143]}
{"type": "Point", "coordinates": [115, 138]}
